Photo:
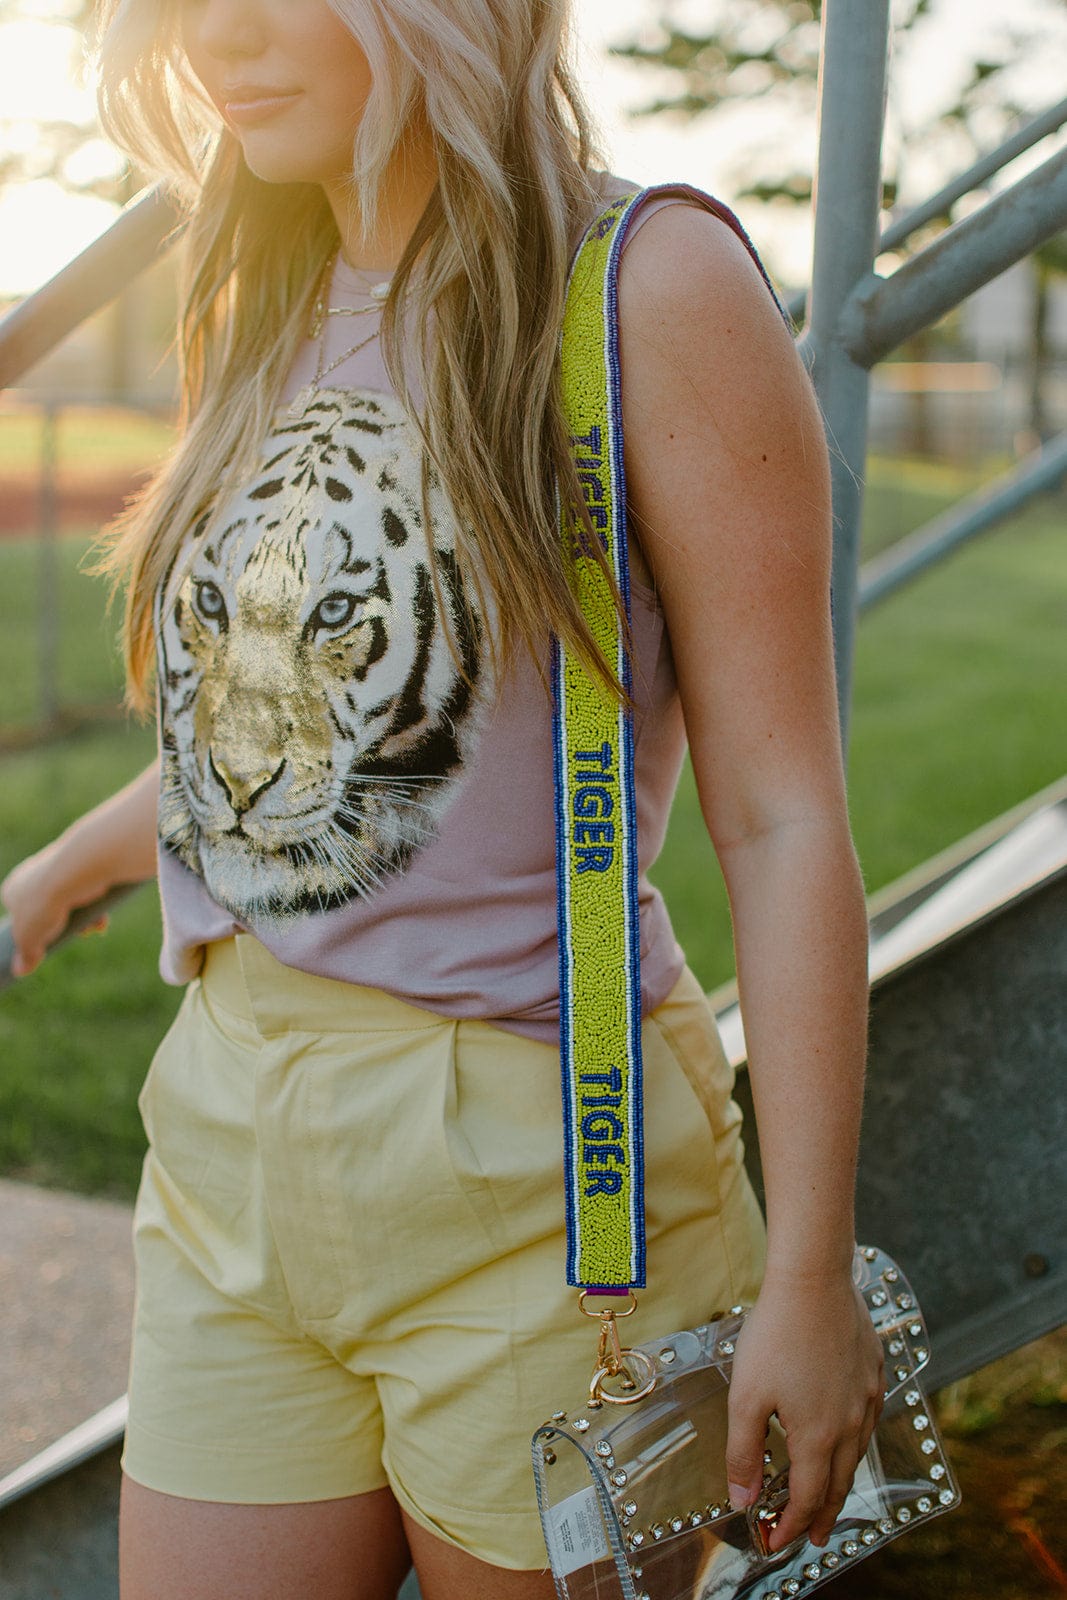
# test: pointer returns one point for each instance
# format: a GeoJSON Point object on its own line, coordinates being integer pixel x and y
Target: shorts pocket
{"type": "Point", "coordinates": [166, 1045]}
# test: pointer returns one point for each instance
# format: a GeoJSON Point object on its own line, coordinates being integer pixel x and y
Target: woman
{"type": "Point", "coordinates": [351, 1309]}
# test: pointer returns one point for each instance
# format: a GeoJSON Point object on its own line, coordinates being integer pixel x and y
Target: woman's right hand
{"type": "Point", "coordinates": [39, 896]}
{"type": "Point", "coordinates": [113, 844]}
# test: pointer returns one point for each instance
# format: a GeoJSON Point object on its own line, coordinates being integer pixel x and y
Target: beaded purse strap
{"type": "Point", "coordinates": [596, 818]}
{"type": "Point", "coordinates": [596, 824]}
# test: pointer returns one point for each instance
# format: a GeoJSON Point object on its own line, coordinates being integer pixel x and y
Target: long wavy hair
{"type": "Point", "coordinates": [517, 182]}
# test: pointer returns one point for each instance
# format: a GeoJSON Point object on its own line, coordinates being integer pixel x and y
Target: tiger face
{"type": "Point", "coordinates": [313, 719]}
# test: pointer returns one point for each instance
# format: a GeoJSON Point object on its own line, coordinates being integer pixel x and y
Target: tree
{"type": "Point", "coordinates": [755, 47]}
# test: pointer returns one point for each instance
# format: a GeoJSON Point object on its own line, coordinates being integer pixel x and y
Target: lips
{"type": "Point", "coordinates": [254, 102]}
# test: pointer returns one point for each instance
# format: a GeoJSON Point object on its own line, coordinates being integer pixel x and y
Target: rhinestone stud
{"type": "Point", "coordinates": [580, 1424]}
{"type": "Point", "coordinates": [924, 1503]}
{"type": "Point", "coordinates": [928, 1447]}
{"type": "Point", "coordinates": [831, 1559]}
{"type": "Point", "coordinates": [850, 1548]}
{"type": "Point", "coordinates": [937, 1471]}
{"type": "Point", "coordinates": [630, 1508]}
{"type": "Point", "coordinates": [946, 1497]}
{"type": "Point", "coordinates": [619, 1479]}
{"type": "Point", "coordinates": [912, 1398]}
{"type": "Point", "coordinates": [667, 1356]}
{"type": "Point", "coordinates": [677, 1524]}
{"type": "Point", "coordinates": [903, 1513]}
{"type": "Point", "coordinates": [657, 1530]}
{"type": "Point", "coordinates": [559, 1416]}
{"type": "Point", "coordinates": [920, 1420]}
{"type": "Point", "coordinates": [813, 1570]}
{"type": "Point", "coordinates": [602, 1447]}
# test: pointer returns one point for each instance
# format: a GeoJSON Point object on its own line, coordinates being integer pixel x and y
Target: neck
{"type": "Point", "coordinates": [406, 187]}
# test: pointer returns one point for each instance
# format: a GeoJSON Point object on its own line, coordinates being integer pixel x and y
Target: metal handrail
{"type": "Point", "coordinates": [89, 281]}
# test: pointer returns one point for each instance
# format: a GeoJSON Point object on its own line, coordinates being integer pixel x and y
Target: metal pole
{"type": "Point", "coordinates": [134, 240]}
{"type": "Point", "coordinates": [938, 205]}
{"type": "Point", "coordinates": [852, 91]}
{"type": "Point", "coordinates": [882, 312]}
{"type": "Point", "coordinates": [48, 572]}
{"type": "Point", "coordinates": [990, 506]}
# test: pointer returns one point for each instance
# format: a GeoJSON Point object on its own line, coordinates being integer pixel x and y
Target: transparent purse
{"type": "Point", "coordinates": [631, 1483]}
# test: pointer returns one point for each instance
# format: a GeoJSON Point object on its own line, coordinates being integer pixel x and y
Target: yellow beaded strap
{"type": "Point", "coordinates": [596, 821]}
{"type": "Point", "coordinates": [596, 843]}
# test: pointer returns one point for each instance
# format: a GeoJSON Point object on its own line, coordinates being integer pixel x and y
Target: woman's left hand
{"type": "Point", "coordinates": [807, 1351]}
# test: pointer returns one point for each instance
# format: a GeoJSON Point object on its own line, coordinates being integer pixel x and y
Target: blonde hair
{"type": "Point", "coordinates": [489, 258]}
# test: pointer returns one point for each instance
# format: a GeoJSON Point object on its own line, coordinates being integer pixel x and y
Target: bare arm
{"type": "Point", "coordinates": [112, 844]}
{"type": "Point", "coordinates": [728, 481]}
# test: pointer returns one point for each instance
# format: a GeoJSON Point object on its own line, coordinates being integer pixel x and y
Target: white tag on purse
{"type": "Point", "coordinates": [575, 1533]}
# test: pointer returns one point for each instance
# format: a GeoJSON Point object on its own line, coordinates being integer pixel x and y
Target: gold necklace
{"type": "Point", "coordinates": [302, 399]}
{"type": "Point", "coordinates": [321, 310]}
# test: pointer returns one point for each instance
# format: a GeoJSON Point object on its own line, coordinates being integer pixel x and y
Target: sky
{"type": "Point", "coordinates": [41, 227]}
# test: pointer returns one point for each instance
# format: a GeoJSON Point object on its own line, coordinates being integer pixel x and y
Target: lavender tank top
{"type": "Point", "coordinates": [330, 781]}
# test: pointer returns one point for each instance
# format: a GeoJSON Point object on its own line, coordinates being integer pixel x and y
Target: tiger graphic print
{"type": "Point", "coordinates": [314, 720]}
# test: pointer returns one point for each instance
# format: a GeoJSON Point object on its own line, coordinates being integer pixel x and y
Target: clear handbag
{"type": "Point", "coordinates": [631, 1483]}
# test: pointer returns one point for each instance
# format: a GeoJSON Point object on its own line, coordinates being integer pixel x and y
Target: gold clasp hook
{"type": "Point", "coordinates": [613, 1360]}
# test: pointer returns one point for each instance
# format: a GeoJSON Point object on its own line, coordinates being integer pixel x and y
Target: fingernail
{"type": "Point", "coordinates": [739, 1496]}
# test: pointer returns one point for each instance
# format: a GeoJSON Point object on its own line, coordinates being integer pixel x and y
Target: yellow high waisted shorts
{"type": "Point", "coordinates": [349, 1241]}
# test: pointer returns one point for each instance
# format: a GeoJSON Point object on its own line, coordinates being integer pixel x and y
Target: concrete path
{"type": "Point", "coordinates": [66, 1298]}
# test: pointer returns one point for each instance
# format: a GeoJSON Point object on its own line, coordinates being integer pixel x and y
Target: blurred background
{"type": "Point", "coordinates": [958, 687]}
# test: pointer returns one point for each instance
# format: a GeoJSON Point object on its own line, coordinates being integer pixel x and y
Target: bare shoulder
{"type": "Point", "coordinates": [715, 396]}
{"type": "Point", "coordinates": [688, 269]}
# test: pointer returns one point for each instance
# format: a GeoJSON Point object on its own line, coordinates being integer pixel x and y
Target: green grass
{"type": "Point", "coordinates": [957, 716]}
{"type": "Point", "coordinates": [76, 1037]}
{"type": "Point", "coordinates": [87, 667]}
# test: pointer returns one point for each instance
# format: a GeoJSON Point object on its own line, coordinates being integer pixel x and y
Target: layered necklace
{"type": "Point", "coordinates": [319, 314]}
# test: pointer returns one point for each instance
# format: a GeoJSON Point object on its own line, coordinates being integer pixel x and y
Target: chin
{"type": "Point", "coordinates": [280, 166]}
